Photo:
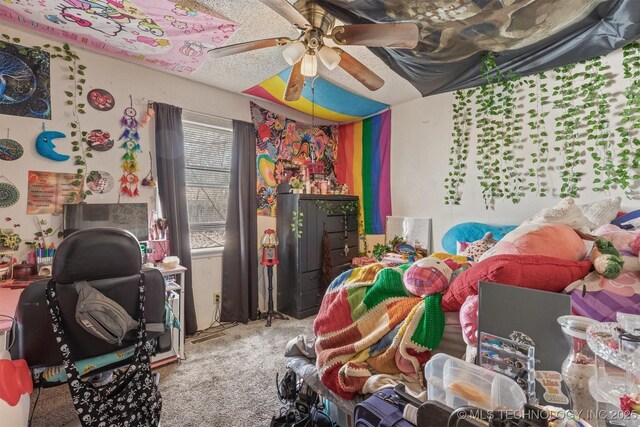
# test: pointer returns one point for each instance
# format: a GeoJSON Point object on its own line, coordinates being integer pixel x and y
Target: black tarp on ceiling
{"type": "Point", "coordinates": [527, 36]}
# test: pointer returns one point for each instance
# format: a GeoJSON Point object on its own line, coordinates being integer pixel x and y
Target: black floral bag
{"type": "Point", "coordinates": [131, 398]}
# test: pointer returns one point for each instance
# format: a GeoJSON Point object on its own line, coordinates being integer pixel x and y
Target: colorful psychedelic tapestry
{"type": "Point", "coordinates": [170, 35]}
{"type": "Point", "coordinates": [284, 144]}
{"type": "Point", "coordinates": [364, 165]}
{"type": "Point", "coordinates": [24, 81]}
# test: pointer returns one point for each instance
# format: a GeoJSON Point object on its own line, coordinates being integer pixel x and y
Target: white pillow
{"type": "Point", "coordinates": [603, 211]}
{"type": "Point", "coordinates": [565, 212]}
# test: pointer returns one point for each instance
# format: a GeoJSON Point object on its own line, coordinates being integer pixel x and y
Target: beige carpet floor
{"type": "Point", "coordinates": [228, 381]}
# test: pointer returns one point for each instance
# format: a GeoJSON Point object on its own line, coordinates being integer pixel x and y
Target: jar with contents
{"type": "Point", "coordinates": [579, 366]}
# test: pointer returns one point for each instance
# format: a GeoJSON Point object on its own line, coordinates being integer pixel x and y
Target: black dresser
{"type": "Point", "coordinates": [301, 222]}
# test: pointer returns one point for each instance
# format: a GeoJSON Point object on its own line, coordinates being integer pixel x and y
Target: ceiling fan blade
{"type": "Point", "coordinates": [402, 35]}
{"type": "Point", "coordinates": [247, 46]}
{"type": "Point", "coordinates": [295, 83]}
{"type": "Point", "coordinates": [359, 71]}
{"type": "Point", "coordinates": [288, 12]}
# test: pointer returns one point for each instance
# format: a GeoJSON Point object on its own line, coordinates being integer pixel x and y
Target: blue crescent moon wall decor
{"type": "Point", "coordinates": [45, 147]}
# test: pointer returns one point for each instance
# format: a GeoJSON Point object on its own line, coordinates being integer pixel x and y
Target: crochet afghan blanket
{"type": "Point", "coordinates": [370, 324]}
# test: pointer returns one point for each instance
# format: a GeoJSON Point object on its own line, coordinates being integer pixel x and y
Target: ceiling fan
{"type": "Point", "coordinates": [316, 25]}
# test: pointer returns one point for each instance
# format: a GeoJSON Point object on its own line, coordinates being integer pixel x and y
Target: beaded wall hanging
{"type": "Point", "coordinates": [131, 144]}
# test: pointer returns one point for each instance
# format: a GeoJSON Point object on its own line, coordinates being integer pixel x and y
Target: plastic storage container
{"type": "Point", "coordinates": [457, 383]}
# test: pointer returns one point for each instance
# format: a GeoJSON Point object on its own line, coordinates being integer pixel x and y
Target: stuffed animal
{"type": "Point", "coordinates": [606, 259]}
{"type": "Point", "coordinates": [627, 242]}
{"type": "Point", "coordinates": [477, 248]}
{"type": "Point", "coordinates": [429, 278]}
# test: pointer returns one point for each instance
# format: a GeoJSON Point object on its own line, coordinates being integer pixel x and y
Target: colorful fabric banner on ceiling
{"type": "Point", "coordinates": [364, 165]}
{"type": "Point", "coordinates": [284, 144]}
{"type": "Point", "coordinates": [332, 102]}
{"type": "Point", "coordinates": [171, 35]}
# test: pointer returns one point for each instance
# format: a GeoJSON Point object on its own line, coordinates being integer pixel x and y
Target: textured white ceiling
{"type": "Point", "coordinates": [242, 71]}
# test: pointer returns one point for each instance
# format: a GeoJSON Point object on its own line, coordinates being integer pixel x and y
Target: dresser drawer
{"type": "Point", "coordinates": [338, 258]}
{"type": "Point", "coordinates": [310, 299]}
{"type": "Point", "coordinates": [338, 270]}
{"type": "Point", "coordinates": [311, 280]}
{"type": "Point", "coordinates": [337, 239]}
{"type": "Point", "coordinates": [333, 224]}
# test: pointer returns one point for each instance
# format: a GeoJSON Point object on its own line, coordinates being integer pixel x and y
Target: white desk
{"type": "Point", "coordinates": [8, 302]}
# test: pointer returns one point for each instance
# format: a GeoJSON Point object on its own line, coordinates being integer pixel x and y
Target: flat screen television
{"type": "Point", "coordinates": [132, 217]}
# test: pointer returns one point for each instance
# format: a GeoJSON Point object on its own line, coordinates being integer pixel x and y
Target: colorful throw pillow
{"type": "Point", "coordinates": [600, 298]}
{"type": "Point", "coordinates": [469, 320]}
{"type": "Point", "coordinates": [566, 212]}
{"type": "Point", "coordinates": [526, 271]}
{"type": "Point", "coordinates": [552, 240]}
{"type": "Point", "coordinates": [603, 211]}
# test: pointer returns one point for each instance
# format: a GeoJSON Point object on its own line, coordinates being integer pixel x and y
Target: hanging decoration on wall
{"type": "Point", "coordinates": [9, 194]}
{"type": "Point", "coordinates": [24, 81]}
{"type": "Point", "coordinates": [10, 149]}
{"type": "Point", "coordinates": [131, 145]}
{"type": "Point", "coordinates": [160, 34]}
{"type": "Point", "coordinates": [364, 165]}
{"type": "Point", "coordinates": [148, 116]}
{"type": "Point", "coordinates": [45, 146]}
{"type": "Point", "coordinates": [100, 99]}
{"type": "Point", "coordinates": [282, 143]}
{"type": "Point", "coordinates": [100, 140]}
{"type": "Point", "coordinates": [100, 182]}
{"type": "Point", "coordinates": [578, 140]}
{"type": "Point", "coordinates": [149, 180]}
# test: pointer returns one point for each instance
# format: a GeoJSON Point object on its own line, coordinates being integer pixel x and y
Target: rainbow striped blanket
{"type": "Point", "coordinates": [369, 323]}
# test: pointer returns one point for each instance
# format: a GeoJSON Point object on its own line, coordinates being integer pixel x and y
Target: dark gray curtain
{"type": "Point", "coordinates": [239, 259]}
{"type": "Point", "coordinates": [173, 196]}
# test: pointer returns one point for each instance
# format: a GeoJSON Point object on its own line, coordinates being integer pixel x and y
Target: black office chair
{"type": "Point", "coordinates": [110, 260]}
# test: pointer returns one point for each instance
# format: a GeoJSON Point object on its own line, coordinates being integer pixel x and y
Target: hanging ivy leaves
{"type": "Point", "coordinates": [628, 169]}
{"type": "Point", "coordinates": [459, 150]}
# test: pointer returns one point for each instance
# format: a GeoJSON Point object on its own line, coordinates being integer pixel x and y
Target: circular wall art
{"type": "Point", "coordinates": [100, 140]}
{"type": "Point", "coordinates": [9, 195]}
{"type": "Point", "coordinates": [100, 182]}
{"type": "Point", "coordinates": [10, 149]}
{"type": "Point", "coordinates": [100, 99]}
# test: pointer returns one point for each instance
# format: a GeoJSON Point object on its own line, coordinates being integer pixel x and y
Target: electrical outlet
{"type": "Point", "coordinates": [216, 297]}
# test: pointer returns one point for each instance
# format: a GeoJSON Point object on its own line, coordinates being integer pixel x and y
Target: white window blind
{"type": "Point", "coordinates": [208, 171]}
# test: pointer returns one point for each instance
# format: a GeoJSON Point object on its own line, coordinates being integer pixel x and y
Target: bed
{"type": "Point", "coordinates": [300, 357]}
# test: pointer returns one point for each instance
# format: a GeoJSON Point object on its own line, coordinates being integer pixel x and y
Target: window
{"type": "Point", "coordinates": [207, 147]}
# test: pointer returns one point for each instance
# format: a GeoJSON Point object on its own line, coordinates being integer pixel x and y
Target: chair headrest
{"type": "Point", "coordinates": [97, 253]}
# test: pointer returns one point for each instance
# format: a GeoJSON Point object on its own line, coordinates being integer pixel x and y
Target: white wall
{"type": "Point", "coordinates": [420, 142]}
{"type": "Point", "coordinates": [121, 79]}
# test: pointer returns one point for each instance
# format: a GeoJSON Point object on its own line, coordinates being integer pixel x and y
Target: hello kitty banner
{"type": "Point", "coordinates": [172, 35]}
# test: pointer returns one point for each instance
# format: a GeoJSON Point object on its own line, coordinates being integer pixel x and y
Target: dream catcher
{"type": "Point", "coordinates": [131, 144]}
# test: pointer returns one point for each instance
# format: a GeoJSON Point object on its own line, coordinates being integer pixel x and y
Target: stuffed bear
{"type": "Point", "coordinates": [475, 250]}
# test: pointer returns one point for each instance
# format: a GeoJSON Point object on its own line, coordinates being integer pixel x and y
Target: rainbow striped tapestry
{"type": "Point", "coordinates": [364, 155]}
{"type": "Point", "coordinates": [332, 102]}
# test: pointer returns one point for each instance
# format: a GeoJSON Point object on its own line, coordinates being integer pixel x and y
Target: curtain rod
{"type": "Point", "coordinates": [150, 101]}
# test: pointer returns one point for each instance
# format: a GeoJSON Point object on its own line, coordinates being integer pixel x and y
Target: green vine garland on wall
{"type": "Point", "coordinates": [566, 130]}
{"type": "Point", "coordinates": [76, 72]}
{"type": "Point", "coordinates": [582, 105]}
{"type": "Point", "coordinates": [629, 166]}
{"type": "Point", "coordinates": [460, 148]}
{"type": "Point", "coordinates": [538, 98]}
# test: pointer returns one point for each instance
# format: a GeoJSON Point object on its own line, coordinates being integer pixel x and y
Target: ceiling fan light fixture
{"type": "Point", "coordinates": [309, 66]}
{"type": "Point", "coordinates": [329, 57]}
{"type": "Point", "coordinates": [293, 52]}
